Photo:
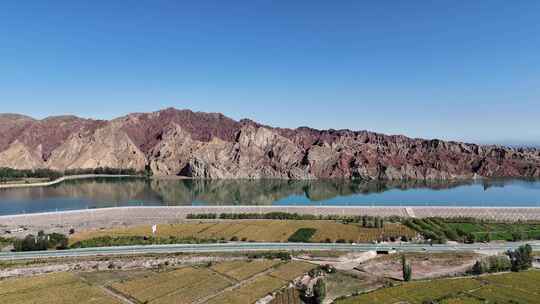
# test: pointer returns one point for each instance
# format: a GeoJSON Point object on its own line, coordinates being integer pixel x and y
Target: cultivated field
{"type": "Point", "coordinates": [132, 216]}
{"type": "Point", "coordinates": [235, 282]}
{"type": "Point", "coordinates": [501, 231]}
{"type": "Point", "coordinates": [228, 282]}
{"type": "Point", "coordinates": [291, 270]}
{"type": "Point", "coordinates": [241, 270]}
{"type": "Point", "coordinates": [499, 288]}
{"type": "Point", "coordinates": [183, 285]}
{"type": "Point", "coordinates": [263, 284]}
{"type": "Point", "coordinates": [61, 288]}
{"type": "Point", "coordinates": [342, 283]}
{"type": "Point", "coordinates": [257, 230]}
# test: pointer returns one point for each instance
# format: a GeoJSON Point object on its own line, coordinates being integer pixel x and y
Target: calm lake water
{"type": "Point", "coordinates": [111, 192]}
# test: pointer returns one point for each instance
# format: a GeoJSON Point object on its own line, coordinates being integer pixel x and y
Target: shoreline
{"type": "Point", "coordinates": [60, 180]}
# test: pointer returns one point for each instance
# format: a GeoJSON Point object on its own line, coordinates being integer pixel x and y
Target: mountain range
{"type": "Point", "coordinates": [175, 142]}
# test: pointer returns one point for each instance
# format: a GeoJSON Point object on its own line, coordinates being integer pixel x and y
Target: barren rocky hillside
{"type": "Point", "coordinates": [209, 145]}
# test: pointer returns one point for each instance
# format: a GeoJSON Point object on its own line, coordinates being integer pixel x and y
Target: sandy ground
{"type": "Point", "coordinates": [345, 262]}
{"type": "Point", "coordinates": [424, 266]}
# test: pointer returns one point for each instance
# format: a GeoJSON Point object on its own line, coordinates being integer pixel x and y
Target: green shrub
{"type": "Point", "coordinates": [302, 235]}
{"type": "Point", "coordinates": [521, 258]}
{"type": "Point", "coordinates": [107, 241]}
{"type": "Point", "coordinates": [282, 255]}
{"type": "Point", "coordinates": [41, 241]}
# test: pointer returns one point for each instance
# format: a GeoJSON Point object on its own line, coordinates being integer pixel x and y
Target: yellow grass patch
{"type": "Point", "coordinates": [415, 292]}
{"type": "Point", "coordinates": [241, 270]}
{"type": "Point", "coordinates": [61, 288]}
{"type": "Point", "coordinates": [292, 270]}
{"type": "Point", "coordinates": [183, 285]}
{"type": "Point", "coordinates": [250, 292]}
{"type": "Point", "coordinates": [257, 230]}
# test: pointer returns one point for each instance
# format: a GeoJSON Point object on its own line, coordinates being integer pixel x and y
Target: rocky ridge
{"type": "Point", "coordinates": [209, 145]}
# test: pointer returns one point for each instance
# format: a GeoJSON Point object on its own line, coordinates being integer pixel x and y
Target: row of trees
{"type": "Point", "coordinates": [372, 222]}
{"type": "Point", "coordinates": [514, 260]}
{"type": "Point", "coordinates": [438, 231]}
{"type": "Point", "coordinates": [492, 264]}
{"type": "Point", "coordinates": [108, 241]}
{"type": "Point", "coordinates": [41, 241]}
{"type": "Point", "coordinates": [245, 216]}
{"type": "Point", "coordinates": [7, 174]}
{"type": "Point", "coordinates": [366, 221]}
{"type": "Point", "coordinates": [104, 170]}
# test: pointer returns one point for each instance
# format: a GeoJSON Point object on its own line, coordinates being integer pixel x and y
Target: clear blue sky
{"type": "Point", "coordinates": [465, 70]}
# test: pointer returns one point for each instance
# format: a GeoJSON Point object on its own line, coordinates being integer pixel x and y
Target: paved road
{"type": "Point", "coordinates": [240, 247]}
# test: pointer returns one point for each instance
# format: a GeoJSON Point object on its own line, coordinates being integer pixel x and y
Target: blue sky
{"type": "Point", "coordinates": [464, 70]}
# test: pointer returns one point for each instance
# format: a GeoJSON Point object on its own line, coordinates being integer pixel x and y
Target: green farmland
{"type": "Point", "coordinates": [511, 288]}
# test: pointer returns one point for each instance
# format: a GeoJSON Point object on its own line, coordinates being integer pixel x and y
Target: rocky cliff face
{"type": "Point", "coordinates": [208, 145]}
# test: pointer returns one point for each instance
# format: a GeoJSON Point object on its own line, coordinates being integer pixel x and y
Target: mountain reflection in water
{"type": "Point", "coordinates": [104, 192]}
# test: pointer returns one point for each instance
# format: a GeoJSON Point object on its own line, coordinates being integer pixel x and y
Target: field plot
{"type": "Point", "coordinates": [472, 230]}
{"type": "Point", "coordinates": [289, 271]}
{"type": "Point", "coordinates": [342, 283]}
{"type": "Point", "coordinates": [425, 265]}
{"type": "Point", "coordinates": [109, 277]}
{"type": "Point", "coordinates": [250, 292]}
{"type": "Point", "coordinates": [258, 230]}
{"type": "Point", "coordinates": [500, 288]}
{"type": "Point", "coordinates": [500, 231]}
{"type": "Point", "coordinates": [241, 270]}
{"type": "Point", "coordinates": [241, 282]}
{"type": "Point", "coordinates": [60, 288]}
{"type": "Point", "coordinates": [183, 285]}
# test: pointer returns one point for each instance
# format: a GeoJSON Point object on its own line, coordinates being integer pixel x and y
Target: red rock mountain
{"type": "Point", "coordinates": [209, 145]}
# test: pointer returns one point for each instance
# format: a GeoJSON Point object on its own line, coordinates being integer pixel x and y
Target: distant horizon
{"type": "Point", "coordinates": [463, 71]}
{"type": "Point", "coordinates": [508, 143]}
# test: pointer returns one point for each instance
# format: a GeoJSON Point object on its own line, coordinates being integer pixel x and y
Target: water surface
{"type": "Point", "coordinates": [110, 192]}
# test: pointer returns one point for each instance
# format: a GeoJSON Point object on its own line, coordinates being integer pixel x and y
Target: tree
{"type": "Point", "coordinates": [479, 267]}
{"type": "Point", "coordinates": [41, 241]}
{"type": "Point", "coordinates": [406, 269]}
{"type": "Point", "coordinates": [319, 291]}
{"type": "Point", "coordinates": [517, 236]}
{"type": "Point", "coordinates": [521, 258]}
{"type": "Point", "coordinates": [470, 238]}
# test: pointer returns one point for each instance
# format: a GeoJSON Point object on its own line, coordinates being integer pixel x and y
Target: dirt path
{"type": "Point", "coordinates": [235, 286]}
{"type": "Point", "coordinates": [110, 291]}
{"type": "Point", "coordinates": [113, 293]}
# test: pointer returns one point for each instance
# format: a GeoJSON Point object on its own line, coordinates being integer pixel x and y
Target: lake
{"type": "Point", "coordinates": [112, 192]}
